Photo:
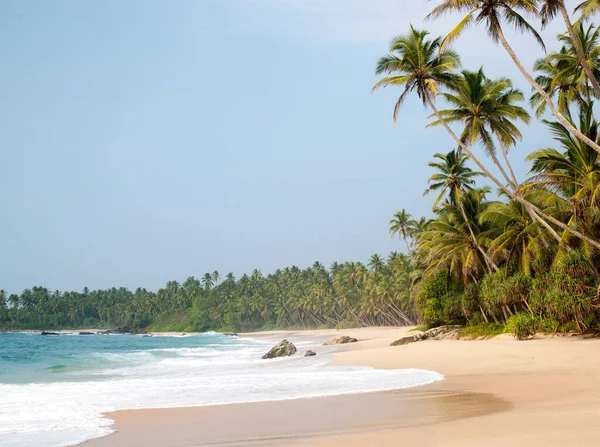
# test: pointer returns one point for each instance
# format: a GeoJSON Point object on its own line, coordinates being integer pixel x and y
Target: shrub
{"type": "Point", "coordinates": [522, 325]}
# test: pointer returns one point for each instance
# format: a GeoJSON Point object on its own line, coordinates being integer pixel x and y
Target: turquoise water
{"type": "Point", "coordinates": [32, 358]}
{"type": "Point", "coordinates": [55, 389]}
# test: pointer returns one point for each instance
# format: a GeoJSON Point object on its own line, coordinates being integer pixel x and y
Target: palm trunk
{"type": "Point", "coordinates": [490, 264]}
{"type": "Point", "coordinates": [578, 48]}
{"type": "Point", "coordinates": [542, 92]}
{"type": "Point", "coordinates": [515, 184]}
{"type": "Point", "coordinates": [514, 195]}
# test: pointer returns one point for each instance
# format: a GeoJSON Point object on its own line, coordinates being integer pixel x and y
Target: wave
{"type": "Point", "coordinates": [66, 412]}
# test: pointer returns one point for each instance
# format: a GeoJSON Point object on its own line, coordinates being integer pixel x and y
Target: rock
{"type": "Point", "coordinates": [409, 339]}
{"type": "Point", "coordinates": [86, 333]}
{"type": "Point", "coordinates": [437, 333]}
{"type": "Point", "coordinates": [281, 349]}
{"type": "Point", "coordinates": [49, 333]}
{"type": "Point", "coordinates": [340, 341]}
{"type": "Point", "coordinates": [230, 334]}
{"type": "Point", "coordinates": [310, 353]}
{"type": "Point", "coordinates": [147, 335]}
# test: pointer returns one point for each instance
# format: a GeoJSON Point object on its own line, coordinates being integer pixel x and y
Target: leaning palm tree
{"type": "Point", "coordinates": [549, 9]}
{"type": "Point", "coordinates": [422, 66]}
{"type": "Point", "coordinates": [571, 177]}
{"type": "Point", "coordinates": [448, 244]}
{"type": "Point", "coordinates": [488, 110]}
{"type": "Point", "coordinates": [557, 79]}
{"type": "Point", "coordinates": [454, 178]}
{"type": "Point", "coordinates": [400, 225]}
{"type": "Point", "coordinates": [490, 13]}
{"type": "Point", "coordinates": [588, 8]}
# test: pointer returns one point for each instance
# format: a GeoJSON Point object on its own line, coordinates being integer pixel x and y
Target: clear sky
{"type": "Point", "coordinates": [148, 140]}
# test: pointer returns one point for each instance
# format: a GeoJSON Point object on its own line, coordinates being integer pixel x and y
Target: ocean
{"type": "Point", "coordinates": [54, 389]}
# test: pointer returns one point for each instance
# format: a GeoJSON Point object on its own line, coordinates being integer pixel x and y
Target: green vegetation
{"type": "Point", "coordinates": [522, 258]}
{"type": "Point", "coordinates": [483, 330]}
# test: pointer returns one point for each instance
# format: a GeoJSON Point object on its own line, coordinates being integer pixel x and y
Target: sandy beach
{"type": "Point", "coordinates": [496, 392]}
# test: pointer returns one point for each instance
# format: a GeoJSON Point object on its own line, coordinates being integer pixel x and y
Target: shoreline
{"type": "Point", "coordinates": [516, 391]}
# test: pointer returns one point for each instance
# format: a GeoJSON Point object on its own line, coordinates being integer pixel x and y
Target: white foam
{"type": "Point", "coordinates": [66, 413]}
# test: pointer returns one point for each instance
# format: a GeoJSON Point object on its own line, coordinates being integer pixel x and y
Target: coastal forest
{"type": "Point", "coordinates": [497, 253]}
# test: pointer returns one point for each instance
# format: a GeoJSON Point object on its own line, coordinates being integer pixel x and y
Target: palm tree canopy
{"type": "Point", "coordinates": [490, 13]}
{"type": "Point", "coordinates": [487, 108]}
{"type": "Point", "coordinates": [418, 64]}
{"type": "Point", "coordinates": [453, 176]}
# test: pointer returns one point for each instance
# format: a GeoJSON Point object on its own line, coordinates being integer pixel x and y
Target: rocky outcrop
{"type": "Point", "coordinates": [49, 333]}
{"type": "Point", "coordinates": [87, 333]}
{"type": "Point", "coordinates": [230, 334]}
{"type": "Point", "coordinates": [340, 341]}
{"type": "Point", "coordinates": [282, 349]}
{"type": "Point", "coordinates": [310, 353]}
{"type": "Point", "coordinates": [437, 333]}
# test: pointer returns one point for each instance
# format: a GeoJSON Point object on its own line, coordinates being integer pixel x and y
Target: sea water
{"type": "Point", "coordinates": [55, 389]}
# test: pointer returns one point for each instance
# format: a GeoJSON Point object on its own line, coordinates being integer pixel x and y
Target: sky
{"type": "Point", "coordinates": [144, 141]}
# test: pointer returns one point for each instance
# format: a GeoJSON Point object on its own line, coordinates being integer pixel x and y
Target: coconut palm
{"type": "Point", "coordinates": [588, 8]}
{"type": "Point", "coordinates": [515, 235]}
{"type": "Point", "coordinates": [490, 13]}
{"type": "Point", "coordinates": [448, 244]}
{"type": "Point", "coordinates": [549, 9]}
{"type": "Point", "coordinates": [571, 177]}
{"type": "Point", "coordinates": [401, 225]}
{"type": "Point", "coordinates": [208, 281]}
{"type": "Point", "coordinates": [418, 69]}
{"type": "Point", "coordinates": [557, 79]}
{"type": "Point", "coordinates": [562, 75]}
{"type": "Point", "coordinates": [376, 263]}
{"type": "Point", "coordinates": [488, 110]}
{"type": "Point", "coordinates": [453, 179]}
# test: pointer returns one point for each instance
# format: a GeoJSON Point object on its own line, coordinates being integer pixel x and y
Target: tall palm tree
{"type": "Point", "coordinates": [453, 179]}
{"type": "Point", "coordinates": [376, 263]}
{"type": "Point", "coordinates": [208, 281]}
{"type": "Point", "coordinates": [490, 13]}
{"type": "Point", "coordinates": [400, 225]}
{"type": "Point", "coordinates": [422, 66]}
{"type": "Point", "coordinates": [556, 78]}
{"type": "Point", "coordinates": [515, 236]}
{"type": "Point", "coordinates": [571, 177]}
{"type": "Point", "coordinates": [448, 244]}
{"type": "Point", "coordinates": [488, 109]}
{"type": "Point", "coordinates": [549, 9]}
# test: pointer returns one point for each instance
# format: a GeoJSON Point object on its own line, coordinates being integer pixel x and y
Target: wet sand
{"type": "Point", "coordinates": [496, 392]}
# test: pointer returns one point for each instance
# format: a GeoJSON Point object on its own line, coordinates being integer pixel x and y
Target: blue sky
{"type": "Point", "coordinates": [143, 141]}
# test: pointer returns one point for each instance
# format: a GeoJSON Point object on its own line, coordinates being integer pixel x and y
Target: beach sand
{"type": "Point", "coordinates": [497, 392]}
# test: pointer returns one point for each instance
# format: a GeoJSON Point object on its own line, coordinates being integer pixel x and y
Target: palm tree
{"type": "Point", "coordinates": [423, 66]}
{"type": "Point", "coordinates": [487, 109]}
{"type": "Point", "coordinates": [515, 235]}
{"type": "Point", "coordinates": [455, 178]}
{"type": "Point", "coordinates": [588, 8]}
{"type": "Point", "coordinates": [490, 12]}
{"type": "Point", "coordinates": [556, 78]}
{"type": "Point", "coordinates": [571, 178]}
{"type": "Point", "coordinates": [207, 281]}
{"type": "Point", "coordinates": [549, 9]}
{"type": "Point", "coordinates": [400, 225]}
{"type": "Point", "coordinates": [448, 243]}
{"type": "Point", "coordinates": [376, 263]}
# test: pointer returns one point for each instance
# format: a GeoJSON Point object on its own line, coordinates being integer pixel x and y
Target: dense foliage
{"type": "Point", "coordinates": [350, 294]}
{"type": "Point", "coordinates": [525, 256]}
